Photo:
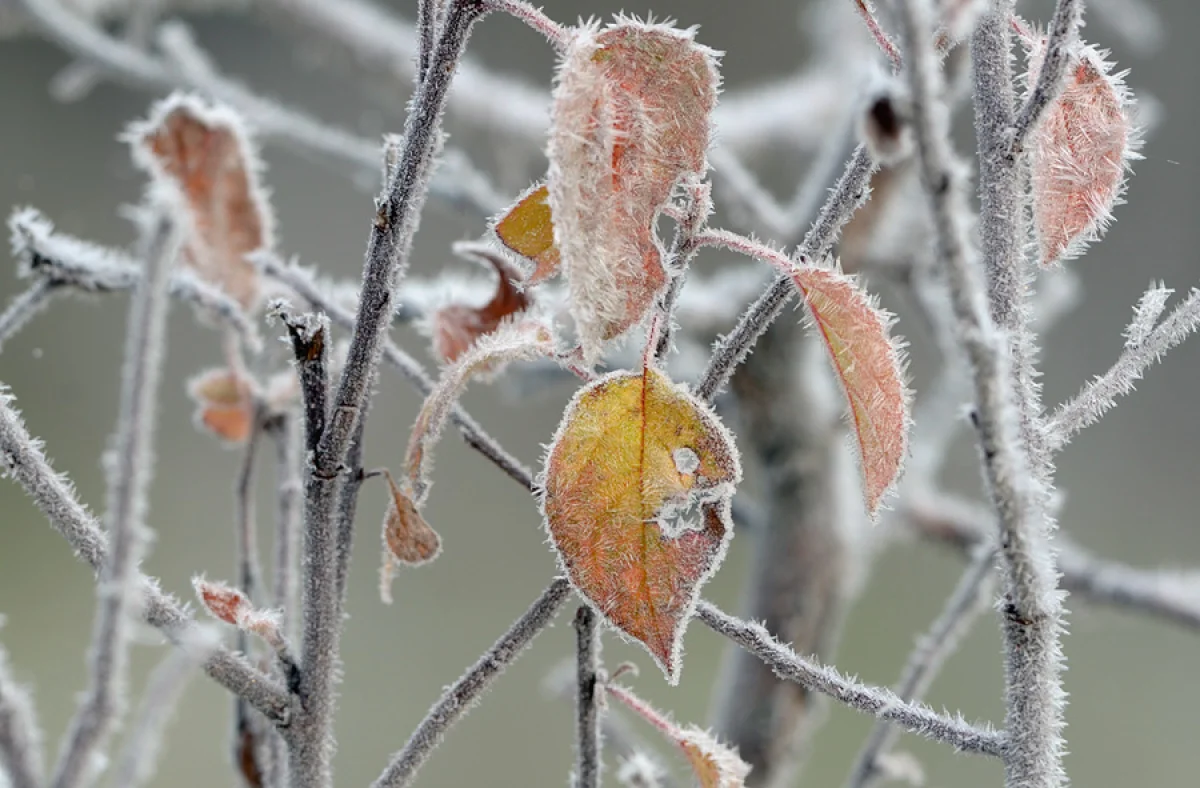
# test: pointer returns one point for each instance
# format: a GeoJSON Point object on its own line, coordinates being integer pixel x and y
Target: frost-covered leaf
{"type": "Point", "coordinates": [407, 538]}
{"type": "Point", "coordinates": [203, 152]}
{"type": "Point", "coordinates": [224, 403]}
{"type": "Point", "coordinates": [527, 230]}
{"type": "Point", "coordinates": [630, 118]}
{"type": "Point", "coordinates": [233, 607]}
{"type": "Point", "coordinates": [512, 341]}
{"type": "Point", "coordinates": [869, 365]}
{"type": "Point", "coordinates": [636, 490]}
{"type": "Point", "coordinates": [716, 765]}
{"type": "Point", "coordinates": [1080, 151]}
{"type": "Point", "coordinates": [456, 327]}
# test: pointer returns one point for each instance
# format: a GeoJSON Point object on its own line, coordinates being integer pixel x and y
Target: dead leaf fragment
{"type": "Point", "coordinates": [407, 538]}
{"type": "Point", "coordinates": [527, 230]}
{"type": "Point", "coordinates": [456, 327]}
{"type": "Point", "coordinates": [224, 403]}
{"type": "Point", "coordinates": [636, 490]}
{"type": "Point", "coordinates": [203, 152]}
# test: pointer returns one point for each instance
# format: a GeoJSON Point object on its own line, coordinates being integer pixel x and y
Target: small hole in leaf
{"type": "Point", "coordinates": [686, 460]}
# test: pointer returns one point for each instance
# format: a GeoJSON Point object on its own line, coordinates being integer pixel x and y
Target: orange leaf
{"type": "Point", "coordinates": [630, 119]}
{"type": "Point", "coordinates": [225, 403]}
{"type": "Point", "coordinates": [527, 229]}
{"type": "Point", "coordinates": [407, 538]}
{"type": "Point", "coordinates": [204, 153]}
{"type": "Point", "coordinates": [527, 339]}
{"type": "Point", "coordinates": [868, 364]}
{"type": "Point", "coordinates": [221, 600]}
{"type": "Point", "coordinates": [1080, 152]}
{"type": "Point", "coordinates": [457, 327]}
{"type": "Point", "coordinates": [716, 765]}
{"type": "Point", "coordinates": [634, 455]}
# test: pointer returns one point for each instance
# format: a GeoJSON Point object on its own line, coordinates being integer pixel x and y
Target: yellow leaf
{"type": "Point", "coordinates": [634, 458]}
{"type": "Point", "coordinates": [527, 229]}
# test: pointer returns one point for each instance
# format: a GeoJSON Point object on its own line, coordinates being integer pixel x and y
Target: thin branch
{"type": "Point", "coordinates": [867, 12]}
{"type": "Point", "coordinates": [588, 762]}
{"type": "Point", "coordinates": [849, 193]}
{"type": "Point", "coordinates": [1032, 611]}
{"type": "Point", "coordinates": [299, 281]}
{"type": "Point", "coordinates": [20, 734]}
{"type": "Point", "coordinates": [134, 765]}
{"type": "Point", "coordinates": [22, 458]}
{"type": "Point", "coordinates": [129, 478]}
{"type": "Point", "coordinates": [556, 34]}
{"type": "Point", "coordinates": [934, 647]}
{"type": "Point", "coordinates": [1143, 349]}
{"type": "Point", "coordinates": [461, 696]}
{"type": "Point", "coordinates": [23, 307]}
{"type": "Point", "coordinates": [289, 462]}
{"type": "Point", "coordinates": [679, 259]}
{"type": "Point", "coordinates": [1172, 595]}
{"type": "Point", "coordinates": [1062, 37]}
{"type": "Point", "coordinates": [876, 701]}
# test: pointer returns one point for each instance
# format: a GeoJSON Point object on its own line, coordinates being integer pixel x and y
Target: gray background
{"type": "Point", "coordinates": [1131, 481]}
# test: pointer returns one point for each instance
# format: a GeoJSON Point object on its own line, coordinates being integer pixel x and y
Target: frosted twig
{"type": "Point", "coordinates": [1146, 343]}
{"type": "Point", "coordinates": [933, 648]}
{"type": "Point", "coordinates": [588, 763]}
{"type": "Point", "coordinates": [24, 461]}
{"type": "Point", "coordinates": [78, 79]}
{"type": "Point", "coordinates": [462, 696]}
{"type": "Point", "coordinates": [1032, 610]}
{"type": "Point", "coordinates": [850, 192]}
{"type": "Point", "coordinates": [398, 209]}
{"type": "Point", "coordinates": [876, 701]}
{"type": "Point", "coordinates": [24, 306]}
{"type": "Point", "coordinates": [427, 30]}
{"type": "Point", "coordinates": [135, 763]}
{"type": "Point", "coordinates": [877, 32]}
{"type": "Point", "coordinates": [129, 469]}
{"type": "Point", "coordinates": [298, 280]}
{"type": "Point", "coordinates": [683, 249]}
{"type": "Point", "coordinates": [752, 199]}
{"type": "Point", "coordinates": [1172, 595]}
{"type": "Point", "coordinates": [289, 462]}
{"type": "Point", "coordinates": [555, 33]}
{"type": "Point", "coordinates": [20, 735]}
{"type": "Point", "coordinates": [1062, 35]}
{"type": "Point", "coordinates": [63, 261]}
{"type": "Point", "coordinates": [139, 69]}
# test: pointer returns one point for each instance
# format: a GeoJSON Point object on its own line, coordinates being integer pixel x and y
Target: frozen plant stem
{"type": "Point", "coordinates": [22, 458]}
{"type": "Point", "coordinates": [462, 696]}
{"type": "Point", "coordinates": [20, 736]}
{"type": "Point", "coordinates": [587, 710]}
{"type": "Point", "coordinates": [392, 232]}
{"type": "Point", "coordinates": [1064, 28]}
{"type": "Point", "coordinates": [1032, 608]}
{"type": "Point", "coordinates": [26, 304]}
{"type": "Point", "coordinates": [129, 470]}
{"type": "Point", "coordinates": [289, 463]}
{"type": "Point", "coordinates": [933, 648]}
{"type": "Point", "coordinates": [876, 701]}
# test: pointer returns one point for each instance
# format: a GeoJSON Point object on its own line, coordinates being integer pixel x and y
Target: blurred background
{"type": "Point", "coordinates": [1131, 482]}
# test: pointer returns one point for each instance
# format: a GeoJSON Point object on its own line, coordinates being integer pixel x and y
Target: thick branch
{"type": "Point", "coordinates": [587, 707]}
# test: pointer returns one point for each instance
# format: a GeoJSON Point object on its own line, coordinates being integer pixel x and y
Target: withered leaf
{"type": "Point", "coordinates": [457, 327]}
{"type": "Point", "coordinates": [636, 490]}
{"type": "Point", "coordinates": [527, 229]}
{"type": "Point", "coordinates": [203, 152]}
{"type": "Point", "coordinates": [224, 403]}
{"type": "Point", "coordinates": [407, 538]}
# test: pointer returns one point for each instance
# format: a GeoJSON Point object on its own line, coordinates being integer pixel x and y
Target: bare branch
{"type": "Point", "coordinates": [129, 477]}
{"type": "Point", "coordinates": [849, 193]}
{"type": "Point", "coordinates": [20, 734]}
{"type": "Point", "coordinates": [934, 647]}
{"type": "Point", "coordinates": [1063, 35]}
{"type": "Point", "coordinates": [299, 280]}
{"type": "Point", "coordinates": [135, 763]}
{"type": "Point", "coordinates": [1146, 344]}
{"type": "Point", "coordinates": [289, 462]}
{"type": "Point", "coordinates": [462, 696]}
{"type": "Point", "coordinates": [22, 458]}
{"type": "Point", "coordinates": [876, 701]}
{"type": "Point", "coordinates": [23, 307]}
{"type": "Point", "coordinates": [587, 710]}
